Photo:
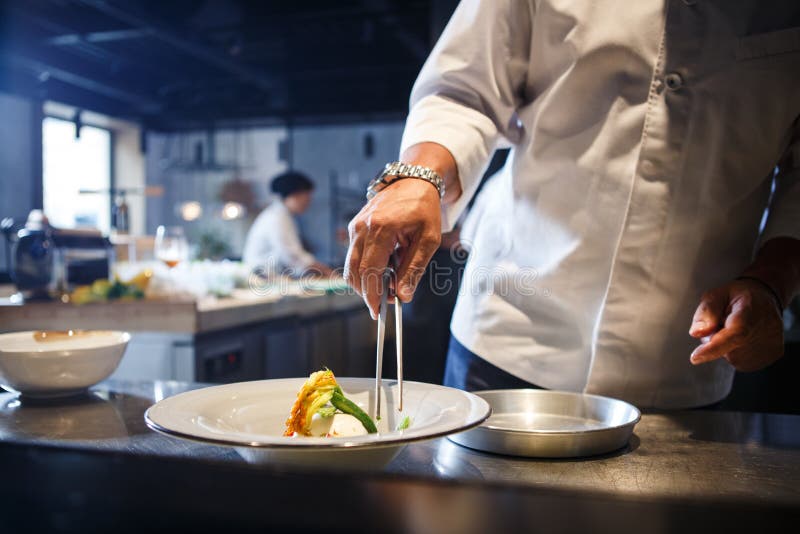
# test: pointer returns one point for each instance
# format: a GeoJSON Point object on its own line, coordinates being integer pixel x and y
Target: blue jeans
{"type": "Point", "coordinates": [468, 371]}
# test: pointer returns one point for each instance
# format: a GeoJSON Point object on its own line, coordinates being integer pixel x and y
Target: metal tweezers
{"type": "Point", "coordinates": [389, 291]}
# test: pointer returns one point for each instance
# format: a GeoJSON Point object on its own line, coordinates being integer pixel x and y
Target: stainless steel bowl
{"type": "Point", "coordinates": [551, 424]}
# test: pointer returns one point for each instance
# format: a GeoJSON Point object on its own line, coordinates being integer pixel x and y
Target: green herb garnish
{"type": "Point", "coordinates": [405, 423]}
{"type": "Point", "coordinates": [327, 411]}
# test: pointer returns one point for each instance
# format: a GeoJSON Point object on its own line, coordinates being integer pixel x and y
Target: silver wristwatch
{"type": "Point", "coordinates": [397, 171]}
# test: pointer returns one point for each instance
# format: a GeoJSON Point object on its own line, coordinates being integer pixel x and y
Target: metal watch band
{"type": "Point", "coordinates": [401, 170]}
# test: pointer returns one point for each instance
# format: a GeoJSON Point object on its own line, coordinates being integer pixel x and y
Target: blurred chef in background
{"type": "Point", "coordinates": [273, 244]}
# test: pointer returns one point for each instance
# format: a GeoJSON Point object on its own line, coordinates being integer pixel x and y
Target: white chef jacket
{"type": "Point", "coordinates": [273, 242]}
{"type": "Point", "coordinates": [645, 136]}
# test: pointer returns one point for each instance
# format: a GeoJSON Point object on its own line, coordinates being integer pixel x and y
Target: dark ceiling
{"type": "Point", "coordinates": [182, 63]}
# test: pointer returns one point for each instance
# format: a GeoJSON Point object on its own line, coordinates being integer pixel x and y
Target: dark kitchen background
{"type": "Point", "coordinates": [206, 100]}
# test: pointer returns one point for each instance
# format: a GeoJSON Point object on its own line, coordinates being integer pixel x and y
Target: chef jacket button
{"type": "Point", "coordinates": [648, 167]}
{"type": "Point", "coordinates": [673, 81]}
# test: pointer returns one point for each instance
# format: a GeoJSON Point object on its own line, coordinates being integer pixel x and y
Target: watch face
{"type": "Point", "coordinates": [375, 185]}
{"type": "Point", "coordinates": [375, 182]}
{"type": "Point", "coordinates": [379, 182]}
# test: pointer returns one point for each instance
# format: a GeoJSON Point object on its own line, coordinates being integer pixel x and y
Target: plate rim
{"type": "Point", "coordinates": [334, 443]}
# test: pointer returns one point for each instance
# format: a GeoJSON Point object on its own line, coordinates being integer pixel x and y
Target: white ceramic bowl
{"type": "Point", "coordinates": [250, 416]}
{"type": "Point", "coordinates": [55, 364]}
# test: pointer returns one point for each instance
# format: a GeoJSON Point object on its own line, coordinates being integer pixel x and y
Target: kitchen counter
{"type": "Point", "coordinates": [243, 337]}
{"type": "Point", "coordinates": [167, 315]}
{"type": "Point", "coordinates": [681, 471]}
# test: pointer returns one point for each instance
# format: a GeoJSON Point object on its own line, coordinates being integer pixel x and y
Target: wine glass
{"type": "Point", "coordinates": [171, 246]}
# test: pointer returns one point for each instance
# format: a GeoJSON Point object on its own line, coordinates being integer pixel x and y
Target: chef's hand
{"type": "Point", "coordinates": [744, 323]}
{"type": "Point", "coordinates": [743, 318]}
{"type": "Point", "coordinates": [405, 215]}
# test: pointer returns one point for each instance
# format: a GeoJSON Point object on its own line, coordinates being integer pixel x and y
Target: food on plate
{"type": "Point", "coordinates": [337, 425]}
{"type": "Point", "coordinates": [405, 423]}
{"type": "Point", "coordinates": [322, 410]}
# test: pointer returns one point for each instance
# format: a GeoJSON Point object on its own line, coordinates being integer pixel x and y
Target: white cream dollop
{"type": "Point", "coordinates": [341, 425]}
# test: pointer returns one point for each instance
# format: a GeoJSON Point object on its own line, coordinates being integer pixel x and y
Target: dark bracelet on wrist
{"type": "Point", "coordinates": [766, 286]}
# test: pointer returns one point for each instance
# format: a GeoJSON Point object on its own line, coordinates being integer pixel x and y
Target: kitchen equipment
{"type": "Point", "coordinates": [120, 212]}
{"type": "Point", "coordinates": [250, 416]}
{"type": "Point", "coordinates": [398, 343]}
{"type": "Point", "coordinates": [9, 237]}
{"type": "Point", "coordinates": [81, 257]}
{"type": "Point", "coordinates": [388, 290]}
{"type": "Point", "coordinates": [32, 266]}
{"type": "Point", "coordinates": [48, 261]}
{"type": "Point", "coordinates": [55, 364]}
{"type": "Point", "coordinates": [551, 424]}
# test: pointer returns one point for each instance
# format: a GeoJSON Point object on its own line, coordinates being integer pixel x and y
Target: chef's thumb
{"type": "Point", "coordinates": [710, 314]}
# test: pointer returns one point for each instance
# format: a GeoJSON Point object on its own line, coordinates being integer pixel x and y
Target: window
{"type": "Point", "coordinates": [71, 164]}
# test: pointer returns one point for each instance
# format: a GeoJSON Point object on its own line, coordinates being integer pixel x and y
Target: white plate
{"type": "Point", "coordinates": [52, 364]}
{"type": "Point", "coordinates": [251, 417]}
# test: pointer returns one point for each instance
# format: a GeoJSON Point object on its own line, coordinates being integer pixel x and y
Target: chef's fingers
{"type": "Point", "coordinates": [415, 260]}
{"type": "Point", "coordinates": [710, 314]}
{"type": "Point", "coordinates": [743, 359]}
{"type": "Point", "coordinates": [379, 245]}
{"type": "Point", "coordinates": [357, 230]}
{"type": "Point", "coordinates": [733, 336]}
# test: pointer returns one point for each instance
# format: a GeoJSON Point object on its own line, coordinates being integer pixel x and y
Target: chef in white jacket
{"type": "Point", "coordinates": [627, 251]}
{"type": "Point", "coordinates": [273, 244]}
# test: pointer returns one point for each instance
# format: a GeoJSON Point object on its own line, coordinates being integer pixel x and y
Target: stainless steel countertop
{"type": "Point", "coordinates": [704, 455]}
{"type": "Point", "coordinates": [175, 315]}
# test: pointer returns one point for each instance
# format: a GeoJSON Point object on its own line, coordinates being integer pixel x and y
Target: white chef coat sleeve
{"type": "Point", "coordinates": [469, 89]}
{"type": "Point", "coordinates": [783, 219]}
{"type": "Point", "coordinates": [289, 248]}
